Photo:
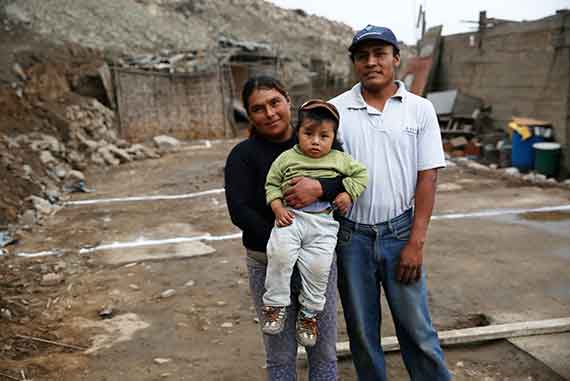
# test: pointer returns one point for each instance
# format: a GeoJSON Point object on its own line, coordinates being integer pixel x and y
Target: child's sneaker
{"type": "Point", "coordinates": [273, 320]}
{"type": "Point", "coordinates": [306, 330]}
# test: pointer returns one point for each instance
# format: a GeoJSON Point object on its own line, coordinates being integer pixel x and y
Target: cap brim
{"type": "Point", "coordinates": [317, 103]}
{"type": "Point", "coordinates": [353, 46]}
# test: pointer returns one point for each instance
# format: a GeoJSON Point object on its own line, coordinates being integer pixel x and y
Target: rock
{"type": "Point", "coordinates": [121, 154]}
{"type": "Point", "coordinates": [5, 314]}
{"type": "Point", "coordinates": [166, 143]}
{"type": "Point", "coordinates": [106, 313]}
{"type": "Point", "coordinates": [477, 166]}
{"type": "Point", "coordinates": [139, 152]}
{"type": "Point", "coordinates": [59, 266]}
{"type": "Point", "coordinates": [161, 361]}
{"type": "Point", "coordinates": [41, 205]}
{"type": "Point", "coordinates": [512, 171]}
{"type": "Point", "coordinates": [227, 325]}
{"type": "Point", "coordinates": [47, 158]}
{"type": "Point", "coordinates": [28, 218]}
{"type": "Point", "coordinates": [98, 159]}
{"type": "Point", "coordinates": [134, 287]}
{"type": "Point", "coordinates": [16, 68]}
{"type": "Point", "coordinates": [75, 176]}
{"type": "Point", "coordinates": [61, 170]}
{"type": "Point", "coordinates": [190, 283]}
{"type": "Point", "coordinates": [51, 279]}
{"type": "Point", "coordinates": [108, 156]}
{"type": "Point", "coordinates": [449, 187]}
{"type": "Point", "coordinates": [53, 195]}
{"type": "Point", "coordinates": [167, 293]}
{"type": "Point", "coordinates": [28, 171]}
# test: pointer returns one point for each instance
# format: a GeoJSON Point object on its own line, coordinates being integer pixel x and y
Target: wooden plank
{"type": "Point", "coordinates": [474, 335]}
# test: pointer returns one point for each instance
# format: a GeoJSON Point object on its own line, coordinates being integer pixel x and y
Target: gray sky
{"type": "Point", "coordinates": [400, 15]}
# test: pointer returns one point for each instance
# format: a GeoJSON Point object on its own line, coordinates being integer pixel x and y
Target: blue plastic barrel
{"type": "Point", "coordinates": [522, 154]}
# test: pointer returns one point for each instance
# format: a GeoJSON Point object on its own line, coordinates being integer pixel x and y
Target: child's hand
{"type": "Point", "coordinates": [283, 217]}
{"type": "Point", "coordinates": [342, 202]}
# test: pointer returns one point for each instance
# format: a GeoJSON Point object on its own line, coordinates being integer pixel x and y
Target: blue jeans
{"type": "Point", "coordinates": [368, 257]}
{"type": "Point", "coordinates": [281, 350]}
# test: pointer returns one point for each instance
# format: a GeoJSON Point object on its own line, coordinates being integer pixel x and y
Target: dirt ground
{"type": "Point", "coordinates": [507, 268]}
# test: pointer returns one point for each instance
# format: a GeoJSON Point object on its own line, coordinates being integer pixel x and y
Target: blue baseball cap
{"type": "Point", "coordinates": [373, 32]}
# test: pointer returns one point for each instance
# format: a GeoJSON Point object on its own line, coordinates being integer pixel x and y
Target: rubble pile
{"type": "Point", "coordinates": [49, 135]}
{"type": "Point", "coordinates": [136, 27]}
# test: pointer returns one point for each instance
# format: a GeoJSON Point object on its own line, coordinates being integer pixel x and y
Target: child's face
{"type": "Point", "coordinates": [316, 138]}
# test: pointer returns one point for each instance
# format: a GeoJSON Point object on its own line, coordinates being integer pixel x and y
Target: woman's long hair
{"type": "Point", "coordinates": [264, 82]}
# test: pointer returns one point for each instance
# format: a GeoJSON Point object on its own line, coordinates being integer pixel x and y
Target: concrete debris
{"type": "Point", "coordinates": [51, 279]}
{"type": "Point", "coordinates": [5, 314]}
{"type": "Point", "coordinates": [41, 205]}
{"type": "Point", "coordinates": [512, 171]}
{"type": "Point", "coordinates": [227, 325]}
{"type": "Point", "coordinates": [166, 143]}
{"type": "Point", "coordinates": [19, 72]}
{"type": "Point", "coordinates": [161, 361]}
{"type": "Point", "coordinates": [449, 187]}
{"type": "Point", "coordinates": [106, 313]}
{"type": "Point", "coordinates": [167, 293]}
{"type": "Point", "coordinates": [190, 283]}
{"type": "Point", "coordinates": [28, 218]}
{"type": "Point", "coordinates": [47, 158]}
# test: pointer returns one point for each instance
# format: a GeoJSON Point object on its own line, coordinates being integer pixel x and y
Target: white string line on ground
{"type": "Point", "coordinates": [144, 198]}
{"type": "Point", "coordinates": [208, 237]}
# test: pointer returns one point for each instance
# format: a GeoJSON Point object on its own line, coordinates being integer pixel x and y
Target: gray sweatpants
{"type": "Point", "coordinates": [308, 242]}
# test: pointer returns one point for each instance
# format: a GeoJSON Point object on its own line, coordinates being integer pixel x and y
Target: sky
{"type": "Point", "coordinates": [401, 15]}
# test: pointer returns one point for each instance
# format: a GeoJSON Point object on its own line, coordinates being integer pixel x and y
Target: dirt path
{"type": "Point", "coordinates": [511, 267]}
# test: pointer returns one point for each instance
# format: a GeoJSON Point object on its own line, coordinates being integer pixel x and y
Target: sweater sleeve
{"type": "Point", "coordinates": [274, 180]}
{"type": "Point", "coordinates": [356, 176]}
{"type": "Point", "coordinates": [239, 180]}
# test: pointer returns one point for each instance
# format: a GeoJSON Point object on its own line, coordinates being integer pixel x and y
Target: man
{"type": "Point", "coordinates": [380, 245]}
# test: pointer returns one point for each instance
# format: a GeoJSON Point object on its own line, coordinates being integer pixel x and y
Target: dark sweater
{"type": "Point", "coordinates": [246, 170]}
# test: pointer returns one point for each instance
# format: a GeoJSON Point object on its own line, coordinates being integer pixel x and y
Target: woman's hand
{"type": "Point", "coordinates": [342, 202]}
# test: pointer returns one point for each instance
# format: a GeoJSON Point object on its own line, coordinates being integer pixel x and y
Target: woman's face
{"type": "Point", "coordinates": [270, 113]}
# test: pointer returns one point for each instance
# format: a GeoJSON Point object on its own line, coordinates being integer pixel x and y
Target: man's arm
{"type": "Point", "coordinates": [411, 258]}
{"type": "Point", "coordinates": [304, 190]}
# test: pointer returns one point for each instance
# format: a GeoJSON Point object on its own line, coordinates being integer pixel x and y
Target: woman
{"type": "Point", "coordinates": [269, 110]}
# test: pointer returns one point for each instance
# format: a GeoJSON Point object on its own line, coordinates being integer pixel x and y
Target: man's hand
{"type": "Point", "coordinates": [410, 266]}
{"type": "Point", "coordinates": [302, 191]}
{"type": "Point", "coordinates": [342, 202]}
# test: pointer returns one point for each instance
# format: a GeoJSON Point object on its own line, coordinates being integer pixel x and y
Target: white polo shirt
{"type": "Point", "coordinates": [394, 144]}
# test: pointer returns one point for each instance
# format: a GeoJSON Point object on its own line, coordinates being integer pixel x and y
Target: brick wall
{"type": "Point", "coordinates": [519, 68]}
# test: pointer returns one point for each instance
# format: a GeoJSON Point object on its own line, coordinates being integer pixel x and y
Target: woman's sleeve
{"type": "Point", "coordinates": [239, 186]}
{"type": "Point", "coordinates": [331, 188]}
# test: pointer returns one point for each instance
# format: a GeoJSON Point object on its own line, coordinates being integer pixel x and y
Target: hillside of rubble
{"type": "Point", "coordinates": [56, 120]}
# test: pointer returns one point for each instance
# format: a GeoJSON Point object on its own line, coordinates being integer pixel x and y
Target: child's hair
{"type": "Point", "coordinates": [319, 112]}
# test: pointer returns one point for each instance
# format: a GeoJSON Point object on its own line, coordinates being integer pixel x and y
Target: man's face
{"type": "Point", "coordinates": [375, 64]}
